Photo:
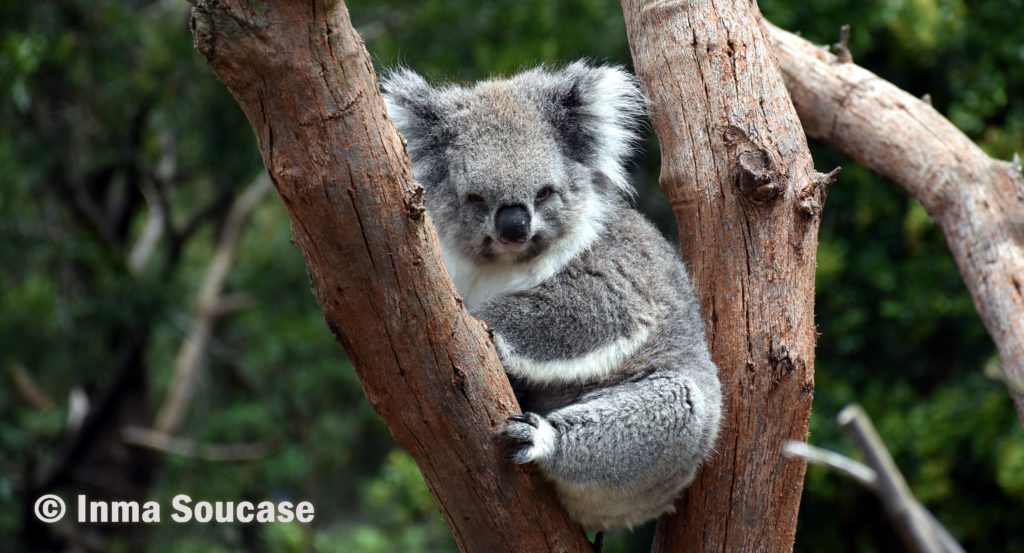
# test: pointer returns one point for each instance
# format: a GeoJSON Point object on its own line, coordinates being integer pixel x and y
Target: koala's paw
{"type": "Point", "coordinates": [528, 437]}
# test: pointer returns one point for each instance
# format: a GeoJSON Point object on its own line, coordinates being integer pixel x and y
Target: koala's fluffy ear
{"type": "Point", "coordinates": [596, 111]}
{"type": "Point", "coordinates": [419, 111]}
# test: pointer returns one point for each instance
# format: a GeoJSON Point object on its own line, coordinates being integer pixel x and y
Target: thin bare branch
{"type": "Point", "coordinates": [842, 47]}
{"type": "Point", "coordinates": [165, 443]}
{"type": "Point", "coordinates": [189, 360]}
{"type": "Point", "coordinates": [868, 478]}
{"type": "Point", "coordinates": [863, 474]}
{"type": "Point", "coordinates": [156, 224]}
{"type": "Point", "coordinates": [30, 391]}
{"type": "Point", "coordinates": [892, 488]}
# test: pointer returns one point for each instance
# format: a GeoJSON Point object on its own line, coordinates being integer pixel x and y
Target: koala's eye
{"type": "Point", "coordinates": [475, 199]}
{"type": "Point", "coordinates": [544, 193]}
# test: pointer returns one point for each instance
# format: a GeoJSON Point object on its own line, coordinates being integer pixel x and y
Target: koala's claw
{"type": "Point", "coordinates": [527, 437]}
{"type": "Point", "coordinates": [529, 418]}
{"type": "Point", "coordinates": [519, 454]}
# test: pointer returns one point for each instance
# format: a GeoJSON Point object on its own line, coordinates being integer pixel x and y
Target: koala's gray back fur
{"type": "Point", "coordinates": [593, 312]}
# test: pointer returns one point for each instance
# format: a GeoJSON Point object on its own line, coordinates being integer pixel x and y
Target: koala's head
{"type": "Point", "coordinates": [514, 168]}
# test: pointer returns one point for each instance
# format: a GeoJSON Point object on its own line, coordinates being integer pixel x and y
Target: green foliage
{"type": "Point", "coordinates": [483, 39]}
{"type": "Point", "coordinates": [94, 96]}
{"type": "Point", "coordinates": [399, 515]}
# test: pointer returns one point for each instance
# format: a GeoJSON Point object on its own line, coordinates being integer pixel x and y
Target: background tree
{"type": "Point", "coordinates": [897, 329]}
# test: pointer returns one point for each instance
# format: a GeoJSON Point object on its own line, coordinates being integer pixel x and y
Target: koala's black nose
{"type": "Point", "coordinates": [512, 223]}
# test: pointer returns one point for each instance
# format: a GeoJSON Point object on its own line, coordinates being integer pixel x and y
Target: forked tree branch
{"type": "Point", "coordinates": [305, 81]}
{"type": "Point", "coordinates": [978, 201]}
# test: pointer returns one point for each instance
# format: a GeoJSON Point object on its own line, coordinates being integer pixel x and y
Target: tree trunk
{"type": "Point", "coordinates": [978, 201]}
{"type": "Point", "coordinates": [304, 79]}
{"type": "Point", "coordinates": [737, 171]}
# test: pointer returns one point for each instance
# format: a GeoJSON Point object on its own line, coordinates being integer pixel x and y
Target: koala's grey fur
{"type": "Point", "coordinates": [594, 315]}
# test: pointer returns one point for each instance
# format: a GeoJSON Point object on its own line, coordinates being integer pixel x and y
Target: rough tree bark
{"type": "Point", "coordinates": [737, 171]}
{"type": "Point", "coordinates": [978, 201]}
{"type": "Point", "coordinates": [304, 79]}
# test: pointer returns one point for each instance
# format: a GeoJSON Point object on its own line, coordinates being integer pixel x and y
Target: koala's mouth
{"type": "Point", "coordinates": [520, 251]}
{"type": "Point", "coordinates": [502, 246]}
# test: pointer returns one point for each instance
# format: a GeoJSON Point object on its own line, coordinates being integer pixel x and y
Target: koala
{"type": "Point", "coordinates": [593, 312]}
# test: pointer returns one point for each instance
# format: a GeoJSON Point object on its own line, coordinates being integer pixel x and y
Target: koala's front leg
{"type": "Point", "coordinates": [659, 428]}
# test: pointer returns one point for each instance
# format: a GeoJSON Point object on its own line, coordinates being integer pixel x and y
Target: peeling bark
{"type": "Point", "coordinates": [304, 80]}
{"type": "Point", "coordinates": [978, 201]}
{"type": "Point", "coordinates": [739, 176]}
